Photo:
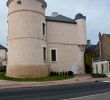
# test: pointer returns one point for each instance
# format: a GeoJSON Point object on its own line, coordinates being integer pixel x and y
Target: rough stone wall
{"type": "Point", "coordinates": [105, 47]}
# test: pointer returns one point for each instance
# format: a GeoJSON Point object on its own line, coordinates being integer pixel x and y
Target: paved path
{"type": "Point", "coordinates": [78, 79]}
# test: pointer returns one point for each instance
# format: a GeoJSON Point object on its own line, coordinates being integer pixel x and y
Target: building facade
{"type": "Point", "coordinates": [101, 63]}
{"type": "Point", "coordinates": [101, 67]}
{"type": "Point", "coordinates": [3, 56]}
{"type": "Point", "coordinates": [103, 47]}
{"type": "Point", "coordinates": [39, 44]}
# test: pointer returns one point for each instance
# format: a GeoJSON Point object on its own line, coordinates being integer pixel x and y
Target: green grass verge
{"type": "Point", "coordinates": [49, 78]}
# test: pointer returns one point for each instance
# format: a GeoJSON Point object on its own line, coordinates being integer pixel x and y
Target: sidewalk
{"type": "Point", "coordinates": [78, 79]}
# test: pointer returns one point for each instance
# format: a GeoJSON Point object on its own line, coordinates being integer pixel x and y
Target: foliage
{"type": "Point", "coordinates": [98, 75]}
{"type": "Point", "coordinates": [2, 69]}
{"type": "Point", "coordinates": [70, 73]}
{"type": "Point", "coordinates": [88, 57]}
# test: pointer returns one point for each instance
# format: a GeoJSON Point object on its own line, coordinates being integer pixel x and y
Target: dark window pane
{"type": "Point", "coordinates": [44, 53]}
{"type": "Point", "coordinates": [43, 26]}
{"type": "Point", "coordinates": [53, 54]}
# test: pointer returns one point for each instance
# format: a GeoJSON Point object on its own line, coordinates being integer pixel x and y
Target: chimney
{"type": "Point", "coordinates": [88, 43]}
{"type": "Point", "coordinates": [55, 14]}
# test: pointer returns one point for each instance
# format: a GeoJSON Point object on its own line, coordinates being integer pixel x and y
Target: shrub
{"type": "Point", "coordinates": [57, 73]}
{"type": "Point", "coordinates": [99, 75]}
{"type": "Point", "coordinates": [2, 69]}
{"type": "Point", "coordinates": [70, 73]}
{"type": "Point", "coordinates": [60, 73]}
{"type": "Point", "coordinates": [51, 73]}
{"type": "Point", "coordinates": [63, 73]}
{"type": "Point", "coordinates": [66, 73]}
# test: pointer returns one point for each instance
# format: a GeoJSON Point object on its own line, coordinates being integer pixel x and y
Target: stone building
{"type": "Point", "coordinates": [39, 44]}
{"type": "Point", "coordinates": [101, 63]}
{"type": "Point", "coordinates": [3, 56]}
{"type": "Point", "coordinates": [102, 49]}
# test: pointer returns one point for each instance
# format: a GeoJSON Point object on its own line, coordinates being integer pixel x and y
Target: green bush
{"type": "Point", "coordinates": [70, 73]}
{"type": "Point", "coordinates": [54, 73]}
{"type": "Point", "coordinates": [60, 73]}
{"type": "Point", "coordinates": [51, 73]}
{"type": "Point", "coordinates": [2, 69]}
{"type": "Point", "coordinates": [99, 75]}
{"type": "Point", "coordinates": [57, 73]}
{"type": "Point", "coordinates": [63, 73]}
{"type": "Point", "coordinates": [66, 73]}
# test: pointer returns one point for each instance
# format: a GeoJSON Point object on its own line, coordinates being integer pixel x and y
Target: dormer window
{"type": "Point", "coordinates": [19, 2]}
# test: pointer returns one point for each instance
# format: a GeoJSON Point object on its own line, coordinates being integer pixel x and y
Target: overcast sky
{"type": "Point", "coordinates": [96, 11]}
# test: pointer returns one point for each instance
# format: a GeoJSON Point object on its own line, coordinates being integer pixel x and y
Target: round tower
{"type": "Point", "coordinates": [27, 39]}
{"type": "Point", "coordinates": [81, 29]}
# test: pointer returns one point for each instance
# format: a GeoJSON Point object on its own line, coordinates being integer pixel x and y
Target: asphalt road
{"type": "Point", "coordinates": [55, 92]}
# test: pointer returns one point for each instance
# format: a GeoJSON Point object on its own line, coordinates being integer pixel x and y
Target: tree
{"type": "Point", "coordinates": [88, 57]}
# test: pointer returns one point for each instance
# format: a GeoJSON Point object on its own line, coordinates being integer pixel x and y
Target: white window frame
{"type": "Point", "coordinates": [56, 54]}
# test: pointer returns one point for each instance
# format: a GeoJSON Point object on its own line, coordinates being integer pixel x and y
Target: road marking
{"type": "Point", "coordinates": [106, 81]}
{"type": "Point", "coordinates": [87, 96]}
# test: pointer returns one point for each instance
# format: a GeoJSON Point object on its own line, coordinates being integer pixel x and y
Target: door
{"type": "Point", "coordinates": [74, 69]}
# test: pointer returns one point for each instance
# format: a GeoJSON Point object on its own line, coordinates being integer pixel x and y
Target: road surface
{"type": "Point", "coordinates": [55, 92]}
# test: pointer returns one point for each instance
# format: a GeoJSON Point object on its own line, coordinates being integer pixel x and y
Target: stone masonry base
{"type": "Point", "coordinates": [27, 71]}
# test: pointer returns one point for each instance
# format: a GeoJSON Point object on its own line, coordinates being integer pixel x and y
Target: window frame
{"type": "Point", "coordinates": [44, 29]}
{"type": "Point", "coordinates": [44, 57]}
{"type": "Point", "coordinates": [51, 54]}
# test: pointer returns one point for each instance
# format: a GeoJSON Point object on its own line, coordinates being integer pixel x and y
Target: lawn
{"type": "Point", "coordinates": [49, 78]}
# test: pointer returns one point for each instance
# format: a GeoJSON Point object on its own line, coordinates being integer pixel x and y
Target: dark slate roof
{"type": "Point", "coordinates": [2, 47]}
{"type": "Point", "coordinates": [60, 18]}
{"type": "Point", "coordinates": [80, 16]}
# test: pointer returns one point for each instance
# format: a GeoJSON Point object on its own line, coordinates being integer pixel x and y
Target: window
{"type": "Point", "coordinates": [53, 55]}
{"type": "Point", "coordinates": [19, 2]}
{"type": "Point", "coordinates": [44, 29]}
{"type": "Point", "coordinates": [43, 6]}
{"type": "Point", "coordinates": [44, 53]}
